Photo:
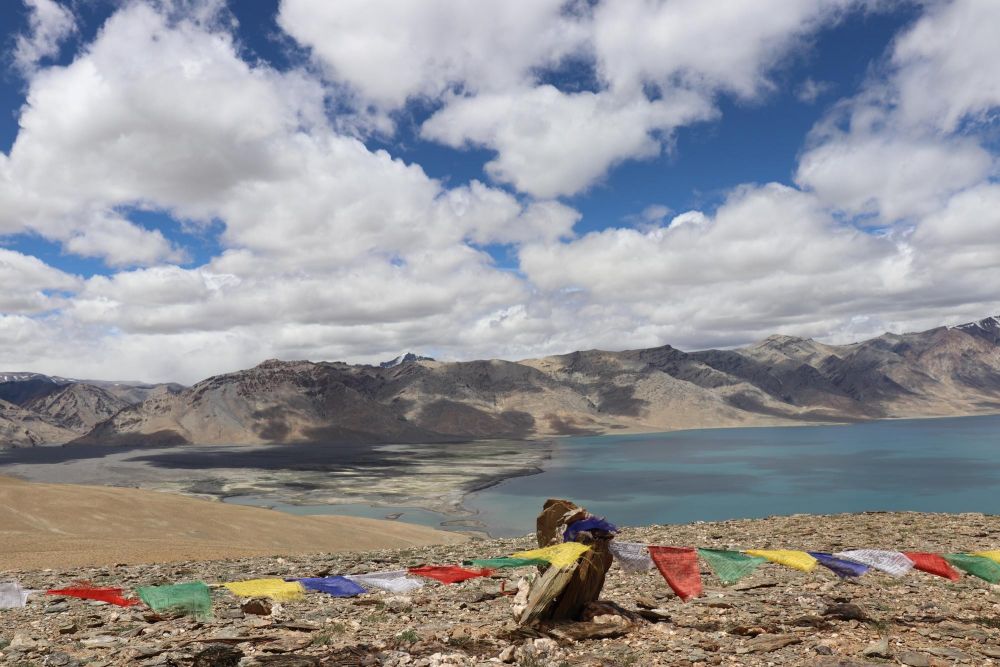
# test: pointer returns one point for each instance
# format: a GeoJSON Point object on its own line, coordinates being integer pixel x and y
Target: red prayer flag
{"type": "Point", "coordinates": [88, 592]}
{"type": "Point", "coordinates": [449, 574]}
{"type": "Point", "coordinates": [679, 566]}
{"type": "Point", "coordinates": [932, 564]}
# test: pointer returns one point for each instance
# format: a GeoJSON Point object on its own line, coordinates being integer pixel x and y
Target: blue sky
{"type": "Point", "coordinates": [237, 179]}
{"type": "Point", "coordinates": [755, 141]}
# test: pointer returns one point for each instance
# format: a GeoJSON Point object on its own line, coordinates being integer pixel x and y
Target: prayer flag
{"type": "Point", "coordinates": [338, 587]}
{"type": "Point", "coordinates": [679, 566]}
{"type": "Point", "coordinates": [932, 564]}
{"type": "Point", "coordinates": [799, 560]}
{"type": "Point", "coordinates": [588, 524]}
{"type": "Point", "coordinates": [189, 598]}
{"type": "Point", "coordinates": [559, 555]}
{"type": "Point", "coordinates": [86, 591]}
{"type": "Point", "coordinates": [730, 566]}
{"type": "Point", "coordinates": [893, 563]}
{"type": "Point", "coordinates": [992, 555]}
{"type": "Point", "coordinates": [507, 562]}
{"type": "Point", "coordinates": [394, 581]}
{"type": "Point", "coordinates": [631, 556]}
{"type": "Point", "coordinates": [12, 595]}
{"type": "Point", "coordinates": [842, 568]}
{"type": "Point", "coordinates": [276, 589]}
{"type": "Point", "coordinates": [448, 574]}
{"type": "Point", "coordinates": [978, 566]}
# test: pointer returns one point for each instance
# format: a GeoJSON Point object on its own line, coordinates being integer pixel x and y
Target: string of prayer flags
{"type": "Point", "coordinates": [394, 581]}
{"type": "Point", "coordinates": [840, 567]}
{"type": "Point", "coordinates": [799, 560]}
{"type": "Point", "coordinates": [592, 523]}
{"type": "Point", "coordinates": [338, 587]}
{"type": "Point", "coordinates": [978, 566]}
{"type": "Point", "coordinates": [504, 563]}
{"type": "Point", "coordinates": [730, 566]}
{"type": "Point", "coordinates": [12, 595]}
{"type": "Point", "coordinates": [992, 555]}
{"type": "Point", "coordinates": [192, 598]}
{"type": "Point", "coordinates": [893, 563]}
{"type": "Point", "coordinates": [631, 556]}
{"type": "Point", "coordinates": [932, 564]}
{"type": "Point", "coordinates": [558, 555]}
{"type": "Point", "coordinates": [86, 591]}
{"type": "Point", "coordinates": [276, 589]}
{"type": "Point", "coordinates": [448, 574]}
{"type": "Point", "coordinates": [679, 566]}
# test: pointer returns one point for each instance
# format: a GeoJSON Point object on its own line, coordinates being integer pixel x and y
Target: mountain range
{"type": "Point", "coordinates": [782, 380]}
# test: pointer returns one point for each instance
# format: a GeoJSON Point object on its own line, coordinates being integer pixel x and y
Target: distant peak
{"type": "Point", "coordinates": [403, 359]}
{"type": "Point", "coordinates": [988, 323]}
{"type": "Point", "coordinates": [781, 340]}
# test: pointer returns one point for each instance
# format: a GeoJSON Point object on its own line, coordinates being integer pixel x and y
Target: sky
{"type": "Point", "coordinates": [189, 187]}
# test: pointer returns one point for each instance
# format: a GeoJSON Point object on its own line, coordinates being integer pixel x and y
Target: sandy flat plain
{"type": "Point", "coordinates": [70, 525]}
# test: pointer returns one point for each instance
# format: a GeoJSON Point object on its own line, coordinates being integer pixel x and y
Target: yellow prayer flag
{"type": "Point", "coordinates": [799, 560]}
{"type": "Point", "coordinates": [276, 589]}
{"type": "Point", "coordinates": [559, 555]}
{"type": "Point", "coordinates": [992, 555]}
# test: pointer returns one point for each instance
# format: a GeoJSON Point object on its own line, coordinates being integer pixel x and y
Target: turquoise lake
{"type": "Point", "coordinates": [929, 465]}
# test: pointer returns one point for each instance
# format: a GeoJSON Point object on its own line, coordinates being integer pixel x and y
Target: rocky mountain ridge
{"type": "Point", "coordinates": [37, 409]}
{"type": "Point", "coordinates": [946, 371]}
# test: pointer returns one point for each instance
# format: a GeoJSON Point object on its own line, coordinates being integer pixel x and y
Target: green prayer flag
{"type": "Point", "coordinates": [191, 598]}
{"type": "Point", "coordinates": [730, 566]}
{"type": "Point", "coordinates": [498, 563]}
{"type": "Point", "coordinates": [977, 566]}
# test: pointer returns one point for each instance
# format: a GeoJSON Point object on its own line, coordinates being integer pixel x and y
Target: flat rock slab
{"type": "Point", "coordinates": [768, 643]}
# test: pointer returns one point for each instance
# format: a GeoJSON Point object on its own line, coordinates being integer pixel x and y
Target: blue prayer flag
{"type": "Point", "coordinates": [588, 524]}
{"type": "Point", "coordinates": [839, 566]}
{"type": "Point", "coordinates": [338, 587]}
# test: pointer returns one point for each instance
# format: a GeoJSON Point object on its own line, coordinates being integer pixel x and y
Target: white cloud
{"type": "Point", "coordinates": [811, 90]}
{"type": "Point", "coordinates": [330, 250]}
{"type": "Point", "coordinates": [659, 66]}
{"type": "Point", "coordinates": [49, 24]}
{"type": "Point", "coordinates": [896, 149]}
{"type": "Point", "coordinates": [551, 143]}
{"type": "Point", "coordinates": [946, 65]}
{"type": "Point", "coordinates": [29, 285]}
{"type": "Point", "coordinates": [894, 177]}
{"type": "Point", "coordinates": [391, 51]}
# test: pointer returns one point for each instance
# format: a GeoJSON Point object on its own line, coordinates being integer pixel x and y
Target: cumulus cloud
{"type": "Point", "coordinates": [49, 23]}
{"type": "Point", "coordinates": [897, 149]}
{"type": "Point", "coordinates": [331, 250]}
{"type": "Point", "coordinates": [658, 66]}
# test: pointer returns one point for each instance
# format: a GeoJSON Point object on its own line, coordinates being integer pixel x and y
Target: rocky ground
{"type": "Point", "coordinates": [774, 617]}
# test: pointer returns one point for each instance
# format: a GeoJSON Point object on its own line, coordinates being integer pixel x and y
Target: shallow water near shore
{"type": "Point", "coordinates": [929, 465]}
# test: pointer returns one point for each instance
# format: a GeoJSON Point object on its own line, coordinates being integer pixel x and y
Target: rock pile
{"type": "Point", "coordinates": [774, 617]}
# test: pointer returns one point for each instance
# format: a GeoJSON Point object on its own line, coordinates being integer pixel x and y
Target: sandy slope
{"type": "Point", "coordinates": [69, 525]}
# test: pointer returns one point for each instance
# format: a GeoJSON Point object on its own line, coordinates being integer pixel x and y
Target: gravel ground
{"type": "Point", "coordinates": [776, 616]}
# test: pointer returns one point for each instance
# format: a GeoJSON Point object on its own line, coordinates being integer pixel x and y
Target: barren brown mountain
{"type": "Point", "coordinates": [945, 371]}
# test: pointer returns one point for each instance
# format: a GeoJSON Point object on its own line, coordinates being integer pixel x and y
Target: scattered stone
{"type": "Point", "coordinates": [257, 607]}
{"type": "Point", "coordinates": [768, 643]}
{"type": "Point", "coordinates": [586, 630]}
{"type": "Point", "coordinates": [914, 659]}
{"type": "Point", "coordinates": [879, 649]}
{"type": "Point", "coordinates": [846, 611]}
{"type": "Point", "coordinates": [218, 655]}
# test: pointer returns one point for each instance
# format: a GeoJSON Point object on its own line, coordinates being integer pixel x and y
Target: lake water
{"type": "Point", "coordinates": [930, 465]}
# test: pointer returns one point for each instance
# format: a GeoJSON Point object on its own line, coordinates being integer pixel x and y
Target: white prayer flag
{"type": "Point", "coordinates": [395, 581]}
{"type": "Point", "coordinates": [12, 595]}
{"type": "Point", "coordinates": [891, 562]}
{"type": "Point", "coordinates": [631, 556]}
